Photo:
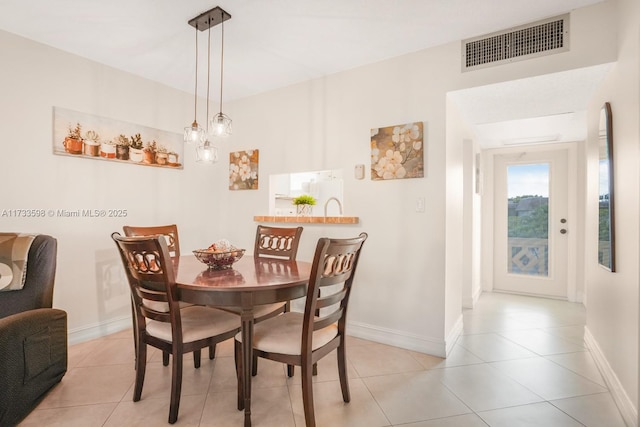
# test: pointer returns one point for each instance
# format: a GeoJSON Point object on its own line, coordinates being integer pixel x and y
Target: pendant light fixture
{"type": "Point", "coordinates": [206, 152]}
{"type": "Point", "coordinates": [194, 133]}
{"type": "Point", "coordinates": [221, 123]}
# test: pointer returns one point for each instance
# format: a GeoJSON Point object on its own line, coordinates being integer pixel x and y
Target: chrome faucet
{"type": "Point", "coordinates": [327, 203]}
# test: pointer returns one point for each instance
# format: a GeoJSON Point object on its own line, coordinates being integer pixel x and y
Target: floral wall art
{"type": "Point", "coordinates": [397, 152]}
{"type": "Point", "coordinates": [92, 137]}
{"type": "Point", "coordinates": [243, 170]}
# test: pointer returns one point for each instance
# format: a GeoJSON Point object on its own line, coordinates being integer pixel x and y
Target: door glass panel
{"type": "Point", "coordinates": [528, 216]}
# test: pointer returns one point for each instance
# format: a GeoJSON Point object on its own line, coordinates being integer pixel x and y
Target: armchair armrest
{"type": "Point", "coordinates": [33, 357]}
{"type": "Point", "coordinates": [38, 287]}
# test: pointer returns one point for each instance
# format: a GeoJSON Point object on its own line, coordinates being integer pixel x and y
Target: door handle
{"type": "Point", "coordinates": [563, 231]}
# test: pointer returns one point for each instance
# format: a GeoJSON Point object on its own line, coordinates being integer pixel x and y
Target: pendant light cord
{"type": "Point", "coordinates": [221, 61]}
{"type": "Point", "coordinates": [195, 96]}
{"type": "Point", "coordinates": [208, 74]}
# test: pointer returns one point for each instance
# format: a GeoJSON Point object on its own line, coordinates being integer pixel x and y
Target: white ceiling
{"type": "Point", "coordinates": [544, 109]}
{"type": "Point", "coordinates": [274, 43]}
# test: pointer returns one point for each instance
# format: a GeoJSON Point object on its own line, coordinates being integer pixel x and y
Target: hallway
{"type": "Point", "coordinates": [536, 346]}
{"type": "Point", "coordinates": [520, 362]}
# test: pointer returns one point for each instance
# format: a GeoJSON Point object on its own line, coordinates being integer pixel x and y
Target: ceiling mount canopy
{"type": "Point", "coordinates": [210, 18]}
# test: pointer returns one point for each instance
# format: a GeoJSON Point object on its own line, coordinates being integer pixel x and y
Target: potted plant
{"type": "Point", "coordinates": [149, 153]}
{"type": "Point", "coordinates": [108, 149]}
{"type": "Point", "coordinates": [162, 155]}
{"type": "Point", "coordinates": [91, 143]}
{"type": "Point", "coordinates": [73, 141]}
{"type": "Point", "coordinates": [304, 204]}
{"type": "Point", "coordinates": [122, 147]}
{"type": "Point", "coordinates": [135, 148]}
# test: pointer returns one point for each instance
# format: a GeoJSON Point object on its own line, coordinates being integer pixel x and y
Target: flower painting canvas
{"type": "Point", "coordinates": [397, 152]}
{"type": "Point", "coordinates": [243, 170]}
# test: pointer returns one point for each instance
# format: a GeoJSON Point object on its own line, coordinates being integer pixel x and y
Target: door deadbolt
{"type": "Point", "coordinates": [563, 220]}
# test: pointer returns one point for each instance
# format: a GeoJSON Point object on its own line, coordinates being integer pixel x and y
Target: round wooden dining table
{"type": "Point", "coordinates": [251, 282]}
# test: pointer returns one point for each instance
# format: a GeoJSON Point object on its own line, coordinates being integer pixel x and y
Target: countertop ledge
{"type": "Point", "coordinates": [309, 219]}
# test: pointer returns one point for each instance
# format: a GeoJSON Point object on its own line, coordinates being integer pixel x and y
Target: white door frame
{"type": "Point", "coordinates": [488, 212]}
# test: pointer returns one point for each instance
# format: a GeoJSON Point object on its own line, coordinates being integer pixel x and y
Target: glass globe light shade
{"type": "Point", "coordinates": [206, 153]}
{"type": "Point", "coordinates": [193, 134]}
{"type": "Point", "coordinates": [220, 125]}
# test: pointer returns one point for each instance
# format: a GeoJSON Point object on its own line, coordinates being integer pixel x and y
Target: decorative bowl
{"type": "Point", "coordinates": [218, 260]}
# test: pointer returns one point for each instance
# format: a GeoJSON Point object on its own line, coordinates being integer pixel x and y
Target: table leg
{"type": "Point", "coordinates": [247, 358]}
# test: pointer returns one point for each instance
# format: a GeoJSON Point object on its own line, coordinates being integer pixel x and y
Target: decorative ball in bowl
{"type": "Point", "coordinates": [218, 260]}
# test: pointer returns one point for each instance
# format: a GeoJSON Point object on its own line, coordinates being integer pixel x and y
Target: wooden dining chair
{"type": "Point", "coordinates": [275, 242]}
{"type": "Point", "coordinates": [170, 233]}
{"type": "Point", "coordinates": [304, 338]}
{"type": "Point", "coordinates": [151, 277]}
{"type": "Point", "coordinates": [278, 242]}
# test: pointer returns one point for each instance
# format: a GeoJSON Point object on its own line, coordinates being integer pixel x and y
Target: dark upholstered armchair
{"type": "Point", "coordinates": [33, 336]}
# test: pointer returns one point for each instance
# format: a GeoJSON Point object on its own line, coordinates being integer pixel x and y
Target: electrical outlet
{"type": "Point", "coordinates": [420, 204]}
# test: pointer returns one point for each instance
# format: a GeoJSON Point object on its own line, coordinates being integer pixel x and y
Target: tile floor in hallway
{"type": "Point", "coordinates": [521, 361]}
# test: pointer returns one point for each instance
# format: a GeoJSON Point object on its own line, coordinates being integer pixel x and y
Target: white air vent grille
{"type": "Point", "coordinates": [532, 40]}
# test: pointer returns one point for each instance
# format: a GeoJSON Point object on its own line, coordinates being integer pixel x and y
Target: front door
{"type": "Point", "coordinates": [531, 224]}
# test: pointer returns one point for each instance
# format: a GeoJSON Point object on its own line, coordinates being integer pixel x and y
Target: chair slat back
{"type": "Point", "coordinates": [334, 263]}
{"type": "Point", "coordinates": [170, 233]}
{"type": "Point", "coordinates": [151, 277]}
{"type": "Point", "coordinates": [279, 242]}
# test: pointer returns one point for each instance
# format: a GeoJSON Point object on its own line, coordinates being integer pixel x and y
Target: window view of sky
{"type": "Point", "coordinates": [531, 179]}
{"type": "Point", "coordinates": [604, 177]}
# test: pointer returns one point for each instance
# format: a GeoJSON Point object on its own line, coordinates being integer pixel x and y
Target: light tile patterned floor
{"type": "Point", "coordinates": [520, 362]}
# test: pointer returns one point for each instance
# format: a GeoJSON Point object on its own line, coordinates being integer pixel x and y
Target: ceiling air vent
{"type": "Point", "coordinates": [540, 38]}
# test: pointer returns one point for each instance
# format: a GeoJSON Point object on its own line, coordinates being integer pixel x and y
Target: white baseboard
{"type": "Point", "coordinates": [98, 330]}
{"type": "Point", "coordinates": [621, 398]}
{"type": "Point", "coordinates": [392, 337]}
{"type": "Point", "coordinates": [579, 298]}
{"type": "Point", "coordinates": [422, 344]}
{"type": "Point", "coordinates": [470, 302]}
{"type": "Point", "coordinates": [408, 341]}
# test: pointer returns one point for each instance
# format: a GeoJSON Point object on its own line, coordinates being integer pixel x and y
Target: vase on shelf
{"type": "Point", "coordinates": [162, 158]}
{"type": "Point", "coordinates": [135, 155]}
{"type": "Point", "coordinates": [303, 210]}
{"type": "Point", "coordinates": [73, 145]}
{"type": "Point", "coordinates": [91, 148]}
{"type": "Point", "coordinates": [107, 150]}
{"type": "Point", "coordinates": [148, 157]}
{"type": "Point", "coordinates": [122, 152]}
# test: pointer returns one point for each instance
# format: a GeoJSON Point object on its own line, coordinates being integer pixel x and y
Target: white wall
{"type": "Point", "coordinates": [473, 183]}
{"type": "Point", "coordinates": [401, 291]}
{"type": "Point", "coordinates": [459, 251]}
{"type": "Point", "coordinates": [33, 79]}
{"type": "Point", "coordinates": [612, 313]}
{"type": "Point", "coordinates": [399, 297]}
